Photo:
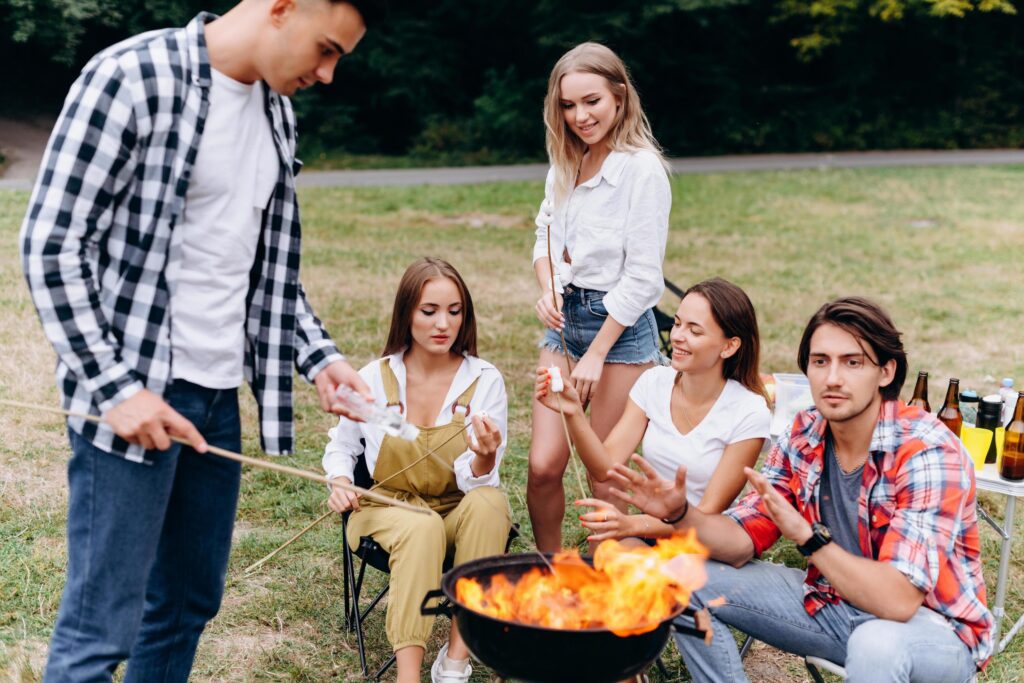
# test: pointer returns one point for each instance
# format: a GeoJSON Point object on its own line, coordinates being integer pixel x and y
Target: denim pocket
{"type": "Point", "coordinates": [595, 305]}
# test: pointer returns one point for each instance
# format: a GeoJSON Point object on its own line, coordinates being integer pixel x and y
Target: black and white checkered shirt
{"type": "Point", "coordinates": [100, 251]}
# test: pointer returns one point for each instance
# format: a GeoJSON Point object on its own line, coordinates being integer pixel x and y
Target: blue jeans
{"type": "Point", "coordinates": [585, 313]}
{"type": "Point", "coordinates": [766, 601]}
{"type": "Point", "coordinates": [147, 550]}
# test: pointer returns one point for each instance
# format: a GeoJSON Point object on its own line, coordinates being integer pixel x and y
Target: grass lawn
{"type": "Point", "coordinates": [332, 161]}
{"type": "Point", "coordinates": [940, 248]}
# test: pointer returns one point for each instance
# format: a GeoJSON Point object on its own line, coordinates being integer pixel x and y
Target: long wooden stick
{"type": "Point", "coordinates": [259, 563]}
{"type": "Point", "coordinates": [244, 459]}
{"type": "Point", "coordinates": [568, 366]}
{"type": "Point", "coordinates": [432, 453]}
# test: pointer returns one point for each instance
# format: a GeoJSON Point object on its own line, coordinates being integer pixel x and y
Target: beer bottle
{"type": "Point", "coordinates": [1012, 466]}
{"type": "Point", "coordinates": [920, 398]}
{"type": "Point", "coordinates": [950, 412]}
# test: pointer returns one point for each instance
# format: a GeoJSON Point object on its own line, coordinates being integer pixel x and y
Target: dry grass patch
{"type": "Point", "coordinates": [23, 662]}
{"type": "Point", "coordinates": [28, 483]}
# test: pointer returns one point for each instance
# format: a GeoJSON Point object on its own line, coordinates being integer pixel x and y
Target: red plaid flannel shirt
{"type": "Point", "coordinates": [916, 511]}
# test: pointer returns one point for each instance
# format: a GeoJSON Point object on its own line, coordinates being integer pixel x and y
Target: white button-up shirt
{"type": "Point", "coordinates": [614, 227]}
{"type": "Point", "coordinates": [344, 448]}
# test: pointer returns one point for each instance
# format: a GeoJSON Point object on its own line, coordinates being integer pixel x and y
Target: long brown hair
{"type": "Point", "coordinates": [410, 289]}
{"type": "Point", "coordinates": [732, 310]}
{"type": "Point", "coordinates": [866, 321]}
{"type": "Point", "coordinates": [630, 132]}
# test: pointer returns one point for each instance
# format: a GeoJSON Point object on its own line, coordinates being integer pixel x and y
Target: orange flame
{"type": "Point", "coordinates": [629, 590]}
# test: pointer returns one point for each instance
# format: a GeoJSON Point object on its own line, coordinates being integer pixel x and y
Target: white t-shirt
{"type": "Point", "coordinates": [738, 414]}
{"type": "Point", "coordinates": [234, 175]}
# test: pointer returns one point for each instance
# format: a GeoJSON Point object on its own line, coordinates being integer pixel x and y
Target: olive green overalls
{"type": "Point", "coordinates": [471, 525]}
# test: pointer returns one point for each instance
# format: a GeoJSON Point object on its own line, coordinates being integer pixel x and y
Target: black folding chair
{"type": "Point", "coordinates": [664, 321]}
{"type": "Point", "coordinates": [371, 554]}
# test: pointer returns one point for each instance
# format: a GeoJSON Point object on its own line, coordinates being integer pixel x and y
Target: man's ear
{"type": "Point", "coordinates": [888, 372]}
{"type": "Point", "coordinates": [281, 10]}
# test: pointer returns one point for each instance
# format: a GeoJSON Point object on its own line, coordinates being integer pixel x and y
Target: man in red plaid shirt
{"type": "Point", "coordinates": [880, 498]}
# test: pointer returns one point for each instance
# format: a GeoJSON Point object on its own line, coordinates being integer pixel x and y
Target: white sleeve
{"type": "Point", "coordinates": [489, 397]}
{"type": "Point", "coordinates": [540, 246]}
{"type": "Point", "coordinates": [343, 449]}
{"type": "Point", "coordinates": [640, 394]}
{"type": "Point", "coordinates": [754, 421]}
{"type": "Point", "coordinates": [642, 281]}
{"type": "Point", "coordinates": [344, 440]}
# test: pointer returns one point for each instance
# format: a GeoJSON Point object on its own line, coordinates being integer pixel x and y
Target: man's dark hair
{"type": "Point", "coordinates": [373, 11]}
{"type": "Point", "coordinates": [868, 322]}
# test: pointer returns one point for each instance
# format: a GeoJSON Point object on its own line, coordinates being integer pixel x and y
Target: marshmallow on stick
{"type": "Point", "coordinates": [555, 374]}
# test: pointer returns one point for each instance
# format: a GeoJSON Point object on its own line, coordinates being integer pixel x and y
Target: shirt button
{"type": "Point", "coordinates": [874, 518]}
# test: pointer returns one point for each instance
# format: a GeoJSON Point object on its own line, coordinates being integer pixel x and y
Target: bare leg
{"type": "Point", "coordinates": [456, 645]}
{"type": "Point", "coordinates": [409, 661]}
{"type": "Point", "coordinates": [606, 409]}
{"type": "Point", "coordinates": [549, 454]}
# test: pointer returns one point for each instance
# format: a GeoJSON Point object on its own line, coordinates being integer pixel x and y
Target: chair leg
{"type": "Point", "coordinates": [813, 670]}
{"type": "Point", "coordinates": [384, 669]}
{"type": "Point", "coordinates": [346, 561]}
{"type": "Point", "coordinates": [373, 603]}
{"type": "Point", "coordinates": [661, 667]}
{"type": "Point", "coordinates": [745, 647]}
{"type": "Point", "coordinates": [354, 618]}
{"type": "Point", "coordinates": [358, 628]}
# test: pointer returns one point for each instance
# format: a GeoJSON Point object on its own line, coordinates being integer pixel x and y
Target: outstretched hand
{"type": "Point", "coordinates": [606, 521]}
{"type": "Point", "coordinates": [570, 400]}
{"type": "Point", "coordinates": [787, 518]}
{"type": "Point", "coordinates": [648, 490]}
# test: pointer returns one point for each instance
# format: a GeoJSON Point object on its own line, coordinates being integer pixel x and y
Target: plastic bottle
{"type": "Point", "coordinates": [1009, 395]}
{"type": "Point", "coordinates": [390, 421]}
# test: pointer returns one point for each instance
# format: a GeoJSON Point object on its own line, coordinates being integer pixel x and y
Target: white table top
{"type": "Point", "coordinates": [989, 480]}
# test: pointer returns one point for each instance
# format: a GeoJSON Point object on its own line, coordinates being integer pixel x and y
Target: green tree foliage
{"type": "Point", "coordinates": [465, 79]}
{"type": "Point", "coordinates": [830, 21]}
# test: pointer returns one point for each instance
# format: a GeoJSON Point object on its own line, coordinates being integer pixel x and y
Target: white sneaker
{"type": "Point", "coordinates": [438, 674]}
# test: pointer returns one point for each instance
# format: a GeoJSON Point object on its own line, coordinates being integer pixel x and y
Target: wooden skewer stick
{"type": "Point", "coordinates": [244, 459]}
{"type": "Point", "coordinates": [431, 454]}
{"type": "Point", "coordinates": [259, 563]}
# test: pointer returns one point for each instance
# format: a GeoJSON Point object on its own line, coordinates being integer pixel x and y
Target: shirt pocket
{"type": "Point", "coordinates": [881, 517]}
{"type": "Point", "coordinates": [599, 240]}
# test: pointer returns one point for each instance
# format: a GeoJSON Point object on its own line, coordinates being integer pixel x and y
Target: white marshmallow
{"type": "Point", "coordinates": [555, 374]}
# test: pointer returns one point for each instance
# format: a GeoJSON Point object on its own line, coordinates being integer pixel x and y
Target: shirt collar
{"type": "Point", "coordinates": [610, 171]}
{"type": "Point", "coordinates": [883, 439]}
{"type": "Point", "coordinates": [198, 56]}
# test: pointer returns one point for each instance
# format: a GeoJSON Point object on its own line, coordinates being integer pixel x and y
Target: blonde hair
{"type": "Point", "coordinates": [629, 132]}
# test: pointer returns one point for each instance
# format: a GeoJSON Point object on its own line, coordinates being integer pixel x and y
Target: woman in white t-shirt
{"type": "Point", "coordinates": [708, 411]}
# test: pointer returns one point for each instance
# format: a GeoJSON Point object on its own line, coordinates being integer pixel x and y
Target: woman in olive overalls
{"type": "Point", "coordinates": [431, 374]}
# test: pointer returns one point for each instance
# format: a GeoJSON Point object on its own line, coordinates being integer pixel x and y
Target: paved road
{"type": "Point", "coordinates": [725, 164]}
{"type": "Point", "coordinates": [24, 143]}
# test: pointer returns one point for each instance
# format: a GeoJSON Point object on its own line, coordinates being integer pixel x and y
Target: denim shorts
{"type": "Point", "coordinates": [584, 313]}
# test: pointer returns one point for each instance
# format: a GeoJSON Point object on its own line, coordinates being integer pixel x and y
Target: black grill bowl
{"type": "Point", "coordinates": [536, 654]}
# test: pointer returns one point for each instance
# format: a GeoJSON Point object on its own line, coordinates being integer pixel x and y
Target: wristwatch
{"type": "Point", "coordinates": [821, 536]}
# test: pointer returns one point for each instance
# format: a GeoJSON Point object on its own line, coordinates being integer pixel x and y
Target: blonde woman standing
{"type": "Point", "coordinates": [601, 234]}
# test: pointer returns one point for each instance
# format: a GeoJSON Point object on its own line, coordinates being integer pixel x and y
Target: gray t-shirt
{"type": "Point", "coordinates": [839, 496]}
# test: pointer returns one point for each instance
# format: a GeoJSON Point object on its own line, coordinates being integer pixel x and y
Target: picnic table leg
{"type": "Point", "coordinates": [1004, 566]}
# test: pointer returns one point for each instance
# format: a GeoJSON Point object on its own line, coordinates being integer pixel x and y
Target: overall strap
{"type": "Point", "coordinates": [391, 391]}
{"type": "Point", "coordinates": [460, 409]}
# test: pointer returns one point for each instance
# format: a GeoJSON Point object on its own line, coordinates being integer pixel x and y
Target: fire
{"type": "Point", "coordinates": [629, 590]}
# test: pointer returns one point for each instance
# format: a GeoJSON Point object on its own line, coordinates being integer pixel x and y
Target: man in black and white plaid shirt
{"type": "Point", "coordinates": [161, 247]}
